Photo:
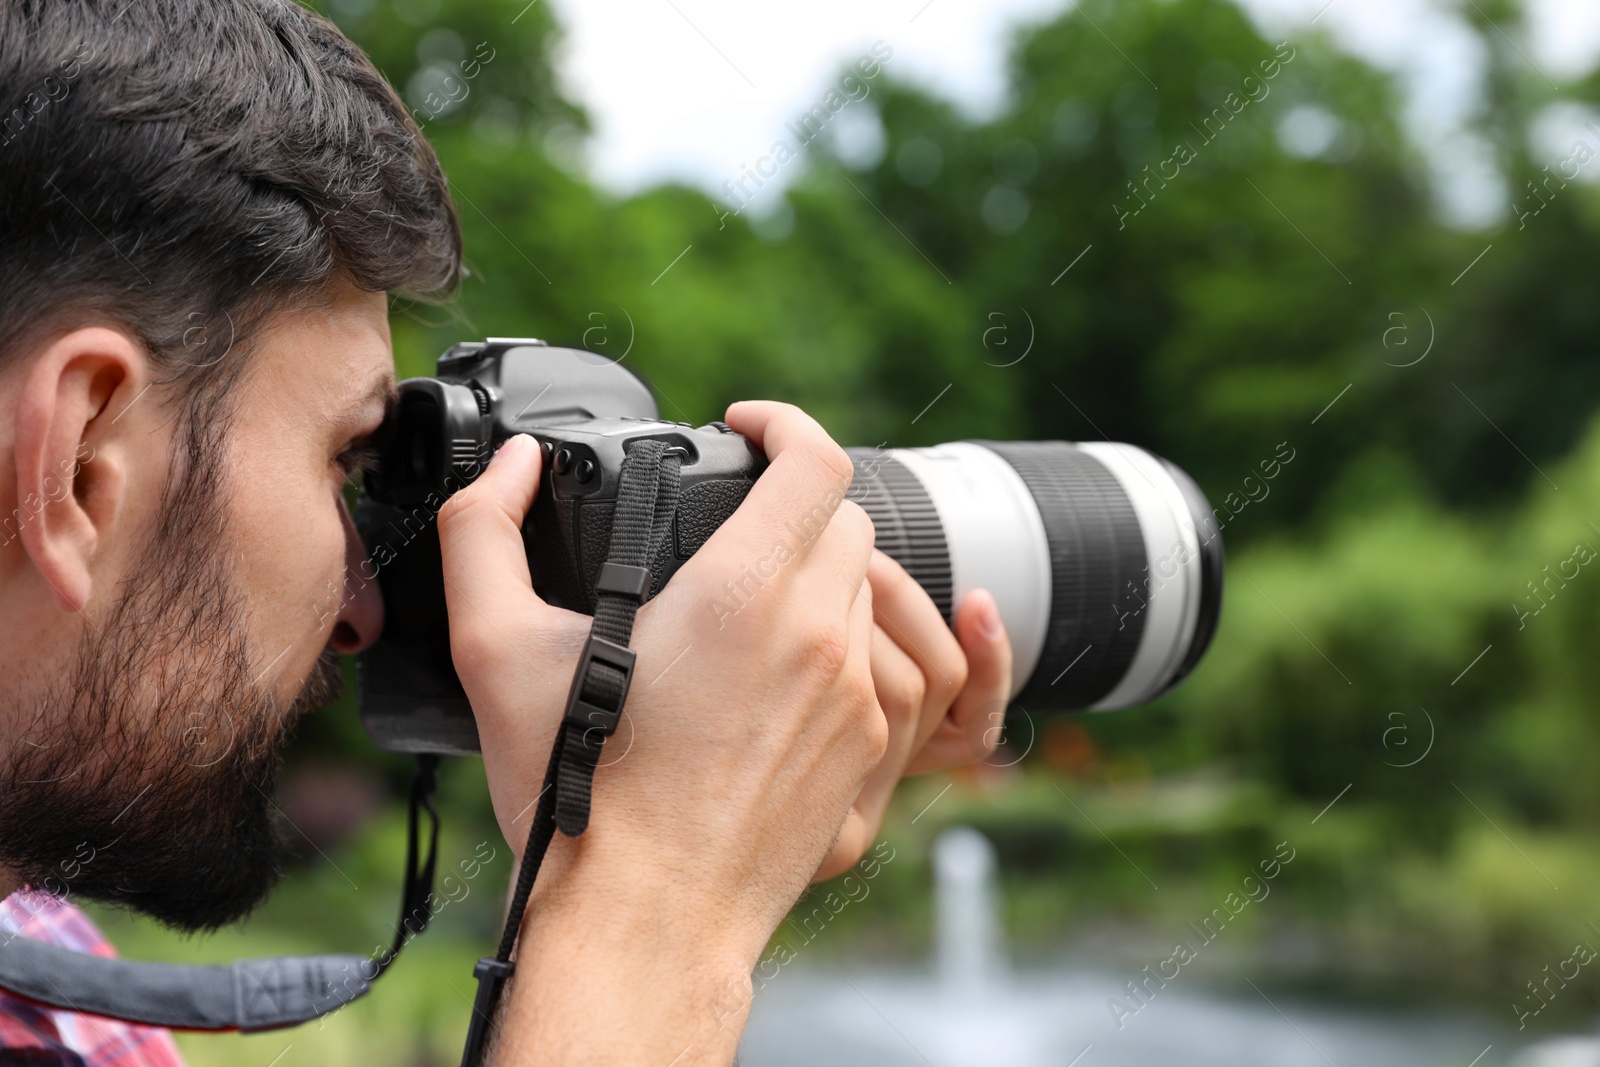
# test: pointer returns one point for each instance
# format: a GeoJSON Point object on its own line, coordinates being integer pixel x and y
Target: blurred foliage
{"type": "Point", "coordinates": [1291, 289]}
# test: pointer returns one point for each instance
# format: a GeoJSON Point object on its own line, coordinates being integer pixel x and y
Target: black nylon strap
{"type": "Point", "coordinates": [414, 910]}
{"type": "Point", "coordinates": [649, 481]}
{"type": "Point", "coordinates": [641, 534]}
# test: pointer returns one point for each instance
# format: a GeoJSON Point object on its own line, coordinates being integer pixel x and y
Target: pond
{"type": "Point", "coordinates": [970, 1009]}
{"type": "Point", "coordinates": [850, 1018]}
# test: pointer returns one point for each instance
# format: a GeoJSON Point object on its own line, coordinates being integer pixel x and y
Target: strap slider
{"type": "Point", "coordinates": [491, 973]}
{"type": "Point", "coordinates": [584, 714]}
{"type": "Point", "coordinates": [623, 578]}
{"type": "Point", "coordinates": [496, 970]}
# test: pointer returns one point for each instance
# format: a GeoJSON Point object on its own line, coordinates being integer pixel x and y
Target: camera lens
{"type": "Point", "coordinates": [1102, 557]}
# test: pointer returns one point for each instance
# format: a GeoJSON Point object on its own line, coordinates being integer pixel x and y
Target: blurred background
{"type": "Point", "coordinates": [1335, 259]}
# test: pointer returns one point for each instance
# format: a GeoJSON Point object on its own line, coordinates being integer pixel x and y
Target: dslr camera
{"type": "Point", "coordinates": [1104, 559]}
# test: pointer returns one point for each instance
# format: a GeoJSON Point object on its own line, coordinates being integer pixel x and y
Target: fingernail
{"type": "Point", "coordinates": [989, 617]}
{"type": "Point", "coordinates": [511, 446]}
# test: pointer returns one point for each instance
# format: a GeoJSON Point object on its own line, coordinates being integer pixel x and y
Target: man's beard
{"type": "Point", "coordinates": [146, 776]}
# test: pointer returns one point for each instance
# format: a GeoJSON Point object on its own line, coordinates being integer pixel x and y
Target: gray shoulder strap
{"type": "Point", "coordinates": [262, 994]}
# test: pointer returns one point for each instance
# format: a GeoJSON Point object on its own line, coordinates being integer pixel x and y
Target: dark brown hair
{"type": "Point", "coordinates": [187, 167]}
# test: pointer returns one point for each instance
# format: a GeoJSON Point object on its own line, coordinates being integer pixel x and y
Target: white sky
{"type": "Point", "coordinates": [696, 89]}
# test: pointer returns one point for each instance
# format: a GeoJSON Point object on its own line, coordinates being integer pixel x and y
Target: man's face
{"type": "Point", "coordinates": [144, 760]}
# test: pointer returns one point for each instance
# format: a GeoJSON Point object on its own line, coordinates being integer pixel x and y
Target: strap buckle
{"type": "Point", "coordinates": [623, 579]}
{"type": "Point", "coordinates": [585, 714]}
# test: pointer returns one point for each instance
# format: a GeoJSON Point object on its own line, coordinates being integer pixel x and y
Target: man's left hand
{"type": "Point", "coordinates": [944, 694]}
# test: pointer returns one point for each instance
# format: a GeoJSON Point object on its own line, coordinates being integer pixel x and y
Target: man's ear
{"type": "Point", "coordinates": [72, 454]}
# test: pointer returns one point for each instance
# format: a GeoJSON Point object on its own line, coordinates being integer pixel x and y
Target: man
{"type": "Point", "coordinates": [203, 204]}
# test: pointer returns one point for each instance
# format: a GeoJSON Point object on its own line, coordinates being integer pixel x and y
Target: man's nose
{"type": "Point", "coordinates": [360, 620]}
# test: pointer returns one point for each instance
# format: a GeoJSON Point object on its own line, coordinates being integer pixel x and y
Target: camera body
{"type": "Point", "coordinates": [586, 412]}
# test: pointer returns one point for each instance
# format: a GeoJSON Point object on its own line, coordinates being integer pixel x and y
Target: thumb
{"type": "Point", "coordinates": [485, 565]}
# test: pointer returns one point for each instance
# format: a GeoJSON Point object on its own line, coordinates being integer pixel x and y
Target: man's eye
{"type": "Point", "coordinates": [358, 458]}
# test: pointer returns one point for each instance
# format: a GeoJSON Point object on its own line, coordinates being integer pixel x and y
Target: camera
{"type": "Point", "coordinates": [1104, 559]}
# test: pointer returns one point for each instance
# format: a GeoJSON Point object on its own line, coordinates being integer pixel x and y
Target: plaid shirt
{"type": "Point", "coordinates": [35, 1035]}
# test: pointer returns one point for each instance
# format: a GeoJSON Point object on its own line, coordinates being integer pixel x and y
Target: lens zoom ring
{"type": "Point", "coordinates": [908, 527]}
{"type": "Point", "coordinates": [1097, 561]}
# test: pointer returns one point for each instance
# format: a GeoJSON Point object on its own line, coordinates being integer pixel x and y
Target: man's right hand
{"type": "Point", "coordinates": [749, 730]}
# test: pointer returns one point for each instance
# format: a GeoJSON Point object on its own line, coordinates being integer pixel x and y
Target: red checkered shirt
{"type": "Point", "coordinates": [35, 1035]}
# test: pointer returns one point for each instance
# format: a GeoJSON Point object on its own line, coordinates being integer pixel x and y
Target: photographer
{"type": "Point", "coordinates": [203, 207]}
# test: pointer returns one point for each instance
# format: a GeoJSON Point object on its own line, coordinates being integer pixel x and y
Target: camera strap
{"type": "Point", "coordinates": [641, 533]}
{"type": "Point", "coordinates": [246, 995]}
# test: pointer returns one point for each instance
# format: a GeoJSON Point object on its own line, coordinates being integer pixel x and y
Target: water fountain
{"type": "Point", "coordinates": [971, 959]}
{"type": "Point", "coordinates": [975, 1018]}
